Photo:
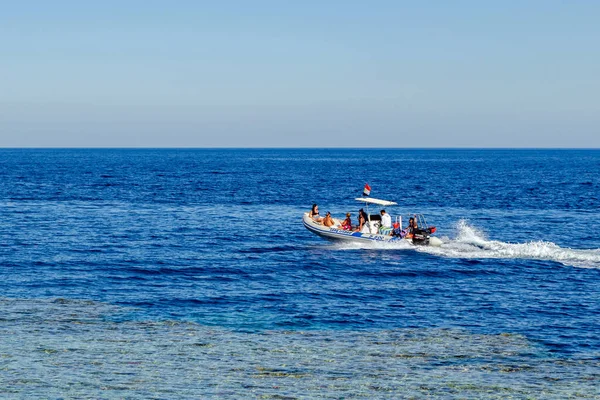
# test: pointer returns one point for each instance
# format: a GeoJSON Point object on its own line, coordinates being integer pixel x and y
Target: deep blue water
{"type": "Point", "coordinates": [215, 237]}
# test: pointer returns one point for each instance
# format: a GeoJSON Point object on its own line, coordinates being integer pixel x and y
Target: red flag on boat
{"type": "Point", "coordinates": [367, 190]}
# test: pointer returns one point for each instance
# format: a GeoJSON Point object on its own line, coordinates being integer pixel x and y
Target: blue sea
{"type": "Point", "coordinates": [185, 273]}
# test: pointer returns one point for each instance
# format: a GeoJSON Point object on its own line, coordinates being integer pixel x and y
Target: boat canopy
{"type": "Point", "coordinates": [376, 201]}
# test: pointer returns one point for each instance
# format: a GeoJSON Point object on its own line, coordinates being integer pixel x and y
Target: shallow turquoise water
{"type": "Point", "coordinates": [72, 351]}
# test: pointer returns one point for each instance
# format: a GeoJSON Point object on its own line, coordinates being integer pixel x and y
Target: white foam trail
{"type": "Point", "coordinates": [348, 245]}
{"type": "Point", "coordinates": [472, 243]}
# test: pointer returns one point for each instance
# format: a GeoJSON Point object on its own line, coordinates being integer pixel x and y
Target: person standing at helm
{"type": "Point", "coordinates": [386, 219]}
{"type": "Point", "coordinates": [386, 223]}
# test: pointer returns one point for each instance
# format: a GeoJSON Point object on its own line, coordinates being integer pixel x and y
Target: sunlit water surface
{"type": "Point", "coordinates": [188, 274]}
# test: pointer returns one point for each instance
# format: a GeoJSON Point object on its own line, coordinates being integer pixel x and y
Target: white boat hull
{"type": "Point", "coordinates": [333, 233]}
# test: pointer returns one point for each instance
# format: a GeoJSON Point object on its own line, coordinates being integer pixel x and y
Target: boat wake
{"type": "Point", "coordinates": [471, 243]}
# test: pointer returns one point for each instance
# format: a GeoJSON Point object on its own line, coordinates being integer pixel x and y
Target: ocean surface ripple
{"type": "Point", "coordinates": [186, 273]}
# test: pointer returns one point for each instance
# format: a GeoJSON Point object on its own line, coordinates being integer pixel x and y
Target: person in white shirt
{"type": "Point", "coordinates": [386, 223]}
{"type": "Point", "coordinates": [386, 219]}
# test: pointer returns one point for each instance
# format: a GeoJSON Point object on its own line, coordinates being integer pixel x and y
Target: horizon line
{"type": "Point", "coordinates": [283, 148]}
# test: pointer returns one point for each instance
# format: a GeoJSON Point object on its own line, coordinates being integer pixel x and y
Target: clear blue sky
{"type": "Point", "coordinates": [303, 73]}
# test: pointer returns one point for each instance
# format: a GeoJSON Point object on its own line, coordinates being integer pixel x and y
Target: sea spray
{"type": "Point", "coordinates": [471, 242]}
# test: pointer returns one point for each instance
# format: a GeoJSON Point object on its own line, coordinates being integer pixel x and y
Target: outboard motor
{"type": "Point", "coordinates": [421, 236]}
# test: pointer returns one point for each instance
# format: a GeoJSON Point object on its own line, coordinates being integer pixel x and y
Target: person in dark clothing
{"type": "Point", "coordinates": [362, 220]}
{"type": "Point", "coordinates": [314, 214]}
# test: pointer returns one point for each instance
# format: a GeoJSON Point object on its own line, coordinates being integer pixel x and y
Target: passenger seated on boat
{"type": "Point", "coordinates": [415, 227]}
{"type": "Point", "coordinates": [328, 221]}
{"type": "Point", "coordinates": [386, 223]}
{"type": "Point", "coordinates": [411, 228]}
{"type": "Point", "coordinates": [362, 220]}
{"type": "Point", "coordinates": [314, 214]}
{"type": "Point", "coordinates": [347, 223]}
{"type": "Point", "coordinates": [406, 232]}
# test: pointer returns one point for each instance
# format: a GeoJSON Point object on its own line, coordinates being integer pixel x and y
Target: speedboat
{"type": "Point", "coordinates": [371, 231]}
